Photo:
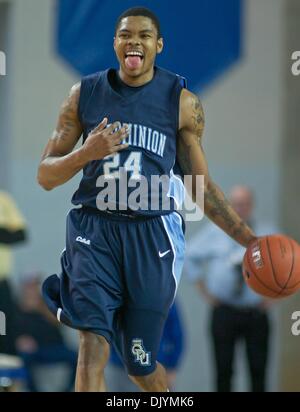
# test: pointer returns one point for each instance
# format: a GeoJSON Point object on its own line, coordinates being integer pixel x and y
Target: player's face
{"type": "Point", "coordinates": [136, 45]}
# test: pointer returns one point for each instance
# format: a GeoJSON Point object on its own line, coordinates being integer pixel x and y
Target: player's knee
{"type": "Point", "coordinates": [156, 379]}
{"type": "Point", "coordinates": [89, 338]}
{"type": "Point", "coordinates": [143, 381]}
{"type": "Point", "coordinates": [94, 349]}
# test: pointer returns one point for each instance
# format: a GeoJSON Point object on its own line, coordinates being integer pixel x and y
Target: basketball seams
{"type": "Point", "coordinates": [270, 258]}
{"type": "Point", "coordinates": [292, 287]}
{"type": "Point", "coordinates": [291, 271]}
{"type": "Point", "coordinates": [254, 274]}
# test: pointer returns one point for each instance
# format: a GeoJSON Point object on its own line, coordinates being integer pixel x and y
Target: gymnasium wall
{"type": "Point", "coordinates": [4, 100]}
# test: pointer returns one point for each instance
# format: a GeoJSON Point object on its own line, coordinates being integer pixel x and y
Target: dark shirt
{"type": "Point", "coordinates": [39, 328]}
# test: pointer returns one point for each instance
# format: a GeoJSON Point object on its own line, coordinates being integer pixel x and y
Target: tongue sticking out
{"type": "Point", "coordinates": [133, 62]}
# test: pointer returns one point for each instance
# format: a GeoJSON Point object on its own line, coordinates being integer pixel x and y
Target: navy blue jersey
{"type": "Point", "coordinates": [142, 179]}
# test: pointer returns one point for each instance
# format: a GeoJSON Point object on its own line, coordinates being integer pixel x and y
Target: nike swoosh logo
{"type": "Point", "coordinates": [161, 255]}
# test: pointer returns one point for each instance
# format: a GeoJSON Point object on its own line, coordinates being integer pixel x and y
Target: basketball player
{"type": "Point", "coordinates": [122, 264]}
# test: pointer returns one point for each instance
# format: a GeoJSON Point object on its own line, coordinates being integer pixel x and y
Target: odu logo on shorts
{"type": "Point", "coordinates": [141, 356]}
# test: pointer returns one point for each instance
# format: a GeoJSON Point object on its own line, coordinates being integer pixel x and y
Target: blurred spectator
{"type": "Point", "coordinates": [12, 374]}
{"type": "Point", "coordinates": [12, 231]}
{"type": "Point", "coordinates": [39, 339]}
{"type": "Point", "coordinates": [214, 262]}
{"type": "Point", "coordinates": [169, 355]}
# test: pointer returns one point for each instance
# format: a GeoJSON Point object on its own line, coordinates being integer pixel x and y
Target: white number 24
{"type": "Point", "coordinates": [131, 165]}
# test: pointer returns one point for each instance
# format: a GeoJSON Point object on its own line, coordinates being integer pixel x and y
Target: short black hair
{"type": "Point", "coordinates": [140, 11]}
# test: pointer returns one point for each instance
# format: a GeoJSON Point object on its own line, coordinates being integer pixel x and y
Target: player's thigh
{"type": "Point", "coordinates": [153, 262]}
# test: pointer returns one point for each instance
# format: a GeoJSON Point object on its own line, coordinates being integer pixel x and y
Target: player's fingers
{"type": "Point", "coordinates": [119, 147]}
{"type": "Point", "coordinates": [101, 126]}
{"type": "Point", "coordinates": [113, 128]}
{"type": "Point", "coordinates": [120, 135]}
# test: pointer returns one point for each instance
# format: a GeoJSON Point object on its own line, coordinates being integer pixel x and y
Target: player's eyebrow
{"type": "Point", "coordinates": [146, 31]}
{"type": "Point", "coordinates": [141, 31]}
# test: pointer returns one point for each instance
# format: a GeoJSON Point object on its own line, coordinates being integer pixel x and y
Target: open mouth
{"type": "Point", "coordinates": [134, 59]}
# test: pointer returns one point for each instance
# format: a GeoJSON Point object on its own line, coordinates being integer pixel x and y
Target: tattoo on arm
{"type": "Point", "coordinates": [196, 127]}
{"type": "Point", "coordinates": [198, 119]}
{"type": "Point", "coordinates": [184, 156]}
{"type": "Point", "coordinates": [68, 117]}
{"type": "Point", "coordinates": [239, 230]}
{"type": "Point", "coordinates": [218, 206]}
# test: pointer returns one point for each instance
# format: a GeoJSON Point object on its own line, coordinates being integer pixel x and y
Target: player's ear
{"type": "Point", "coordinates": [114, 43]}
{"type": "Point", "coordinates": [160, 45]}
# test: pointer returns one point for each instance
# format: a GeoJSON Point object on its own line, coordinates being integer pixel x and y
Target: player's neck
{"type": "Point", "coordinates": [136, 81]}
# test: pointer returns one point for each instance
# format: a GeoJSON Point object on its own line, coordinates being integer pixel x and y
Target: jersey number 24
{"type": "Point", "coordinates": [132, 165]}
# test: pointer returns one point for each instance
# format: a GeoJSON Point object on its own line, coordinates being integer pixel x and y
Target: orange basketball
{"type": "Point", "coordinates": [271, 266]}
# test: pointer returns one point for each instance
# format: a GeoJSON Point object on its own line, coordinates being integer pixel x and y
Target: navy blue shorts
{"type": "Point", "coordinates": [119, 278]}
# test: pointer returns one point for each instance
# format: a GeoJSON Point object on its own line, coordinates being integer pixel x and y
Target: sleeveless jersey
{"type": "Point", "coordinates": [143, 179]}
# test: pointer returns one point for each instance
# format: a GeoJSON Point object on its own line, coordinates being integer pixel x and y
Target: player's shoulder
{"type": "Point", "coordinates": [189, 103]}
{"type": "Point", "coordinates": [188, 98]}
{"type": "Point", "coordinates": [75, 89]}
{"type": "Point", "coordinates": [93, 76]}
{"type": "Point", "coordinates": [171, 76]}
{"type": "Point", "coordinates": [90, 80]}
{"type": "Point", "coordinates": [87, 85]}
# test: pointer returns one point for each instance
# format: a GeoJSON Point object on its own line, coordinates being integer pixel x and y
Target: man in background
{"type": "Point", "coordinates": [214, 262]}
{"type": "Point", "coordinates": [12, 231]}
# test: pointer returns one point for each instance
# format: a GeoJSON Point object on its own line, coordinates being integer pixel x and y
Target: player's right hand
{"type": "Point", "coordinates": [103, 141]}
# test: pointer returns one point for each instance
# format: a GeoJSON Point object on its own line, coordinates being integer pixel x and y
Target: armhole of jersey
{"type": "Point", "coordinates": [181, 84]}
{"type": "Point", "coordinates": [79, 111]}
{"type": "Point", "coordinates": [87, 89]}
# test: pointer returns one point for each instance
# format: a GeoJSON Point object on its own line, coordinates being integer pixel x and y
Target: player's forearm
{"type": "Point", "coordinates": [57, 170]}
{"type": "Point", "coordinates": [218, 209]}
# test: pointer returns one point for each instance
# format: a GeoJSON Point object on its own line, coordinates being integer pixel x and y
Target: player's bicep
{"type": "Point", "coordinates": [190, 153]}
{"type": "Point", "coordinates": [68, 129]}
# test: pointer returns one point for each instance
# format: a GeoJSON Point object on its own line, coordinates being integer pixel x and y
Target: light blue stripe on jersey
{"type": "Point", "coordinates": [176, 190]}
{"type": "Point", "coordinates": [173, 226]}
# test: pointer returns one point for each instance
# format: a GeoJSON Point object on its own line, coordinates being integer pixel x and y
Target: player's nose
{"type": "Point", "coordinates": [135, 40]}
